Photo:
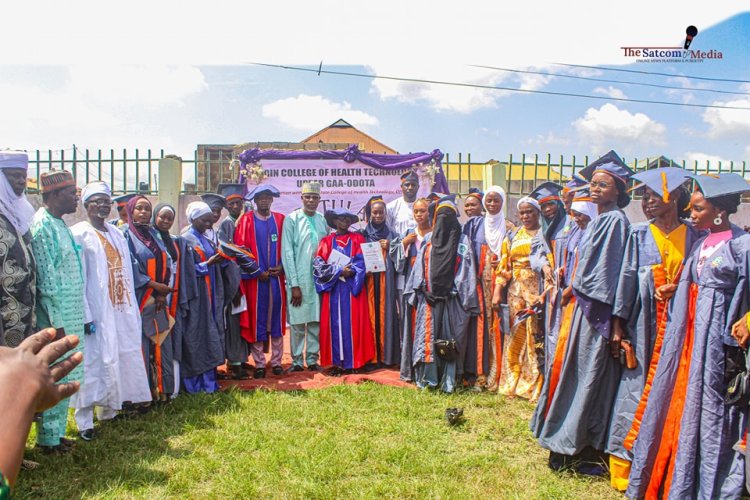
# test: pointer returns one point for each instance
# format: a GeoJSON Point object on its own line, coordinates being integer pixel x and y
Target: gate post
{"type": "Point", "coordinates": [170, 185]}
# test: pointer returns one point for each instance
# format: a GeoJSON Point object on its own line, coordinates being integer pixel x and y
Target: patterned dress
{"type": "Point", "coordinates": [17, 285]}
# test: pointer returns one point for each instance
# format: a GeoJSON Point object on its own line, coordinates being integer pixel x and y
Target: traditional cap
{"type": "Point", "coordinates": [662, 181]}
{"type": "Point", "coordinates": [410, 176]}
{"type": "Point", "coordinates": [215, 201]}
{"type": "Point", "coordinates": [546, 191]}
{"type": "Point", "coordinates": [611, 164]}
{"type": "Point", "coordinates": [529, 201]}
{"type": "Point", "coordinates": [264, 188]}
{"type": "Point", "coordinates": [713, 185]}
{"type": "Point", "coordinates": [475, 193]}
{"type": "Point", "coordinates": [336, 213]}
{"type": "Point", "coordinates": [231, 191]}
{"type": "Point", "coordinates": [123, 200]}
{"type": "Point", "coordinates": [94, 188]}
{"type": "Point", "coordinates": [14, 159]}
{"type": "Point", "coordinates": [197, 209]}
{"type": "Point", "coordinates": [56, 179]}
{"type": "Point", "coordinates": [311, 188]}
{"type": "Point", "coordinates": [368, 206]}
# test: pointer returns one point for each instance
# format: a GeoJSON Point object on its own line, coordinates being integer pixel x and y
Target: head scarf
{"type": "Point", "coordinates": [197, 209]}
{"type": "Point", "coordinates": [586, 208]}
{"type": "Point", "coordinates": [375, 232]}
{"type": "Point", "coordinates": [165, 236]}
{"type": "Point", "coordinates": [446, 234]}
{"type": "Point", "coordinates": [494, 225]}
{"type": "Point", "coordinates": [16, 209]}
{"type": "Point", "coordinates": [528, 200]}
{"type": "Point", "coordinates": [549, 226]}
{"type": "Point", "coordinates": [143, 233]}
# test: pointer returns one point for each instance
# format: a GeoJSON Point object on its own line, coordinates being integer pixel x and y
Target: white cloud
{"type": "Point", "coordinates": [728, 122]}
{"type": "Point", "coordinates": [610, 91]}
{"type": "Point", "coordinates": [609, 126]}
{"type": "Point", "coordinates": [702, 158]}
{"type": "Point", "coordinates": [307, 112]}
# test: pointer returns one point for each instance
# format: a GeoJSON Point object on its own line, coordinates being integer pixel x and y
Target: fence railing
{"type": "Point", "coordinates": [136, 171]}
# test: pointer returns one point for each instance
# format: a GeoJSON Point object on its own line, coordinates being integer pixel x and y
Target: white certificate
{"type": "Point", "coordinates": [373, 256]}
{"type": "Point", "coordinates": [339, 258]}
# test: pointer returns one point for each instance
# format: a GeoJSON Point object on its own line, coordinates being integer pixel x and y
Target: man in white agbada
{"type": "Point", "coordinates": [114, 371]}
{"type": "Point", "coordinates": [399, 215]}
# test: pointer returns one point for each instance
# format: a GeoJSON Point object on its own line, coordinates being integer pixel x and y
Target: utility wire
{"type": "Point", "coordinates": [603, 80]}
{"type": "Point", "coordinates": [623, 70]}
{"type": "Point", "coordinates": [492, 87]}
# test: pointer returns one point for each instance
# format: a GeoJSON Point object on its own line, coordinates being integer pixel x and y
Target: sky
{"type": "Point", "coordinates": [170, 75]}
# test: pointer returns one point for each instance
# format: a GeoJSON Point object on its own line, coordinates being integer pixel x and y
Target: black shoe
{"type": "Point", "coordinates": [53, 450]}
{"type": "Point", "coordinates": [87, 435]}
{"type": "Point", "coordinates": [66, 443]}
{"type": "Point", "coordinates": [277, 370]}
{"type": "Point", "coordinates": [314, 368]}
{"type": "Point", "coordinates": [239, 373]}
{"type": "Point", "coordinates": [296, 368]}
{"type": "Point", "coordinates": [259, 373]}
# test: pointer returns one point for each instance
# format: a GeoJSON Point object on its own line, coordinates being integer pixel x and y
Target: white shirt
{"type": "Point", "coordinates": [399, 215]}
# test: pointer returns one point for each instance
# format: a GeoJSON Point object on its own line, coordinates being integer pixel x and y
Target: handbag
{"type": "Point", "coordinates": [157, 325]}
{"type": "Point", "coordinates": [447, 350]}
{"type": "Point", "coordinates": [738, 387]}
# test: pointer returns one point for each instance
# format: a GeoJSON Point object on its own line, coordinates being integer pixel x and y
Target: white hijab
{"type": "Point", "coordinates": [586, 208]}
{"type": "Point", "coordinates": [494, 225]}
{"type": "Point", "coordinates": [16, 209]}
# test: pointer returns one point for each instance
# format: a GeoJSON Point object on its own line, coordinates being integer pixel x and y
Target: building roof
{"type": "Point", "coordinates": [342, 131]}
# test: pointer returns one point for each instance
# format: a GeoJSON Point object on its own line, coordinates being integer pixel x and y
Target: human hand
{"type": "Point", "coordinates": [409, 239]}
{"type": "Point", "coordinates": [497, 297]}
{"type": "Point", "coordinates": [384, 244]}
{"type": "Point", "coordinates": [160, 301]}
{"type": "Point", "coordinates": [264, 276]}
{"type": "Point", "coordinates": [215, 259]}
{"type": "Point", "coordinates": [296, 296]}
{"type": "Point", "coordinates": [347, 272]}
{"type": "Point", "coordinates": [740, 332]}
{"type": "Point", "coordinates": [615, 338]}
{"type": "Point", "coordinates": [161, 288]}
{"type": "Point", "coordinates": [29, 368]}
{"type": "Point", "coordinates": [665, 292]}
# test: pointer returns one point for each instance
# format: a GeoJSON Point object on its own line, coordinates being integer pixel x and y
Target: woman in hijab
{"type": "Point", "coordinates": [442, 290]}
{"type": "Point", "coordinates": [152, 275]}
{"type": "Point", "coordinates": [483, 337]}
{"type": "Point", "coordinates": [574, 409]}
{"type": "Point", "coordinates": [203, 335]}
{"type": "Point", "coordinates": [523, 348]}
{"type": "Point", "coordinates": [403, 254]}
{"type": "Point", "coordinates": [691, 440]}
{"type": "Point", "coordinates": [654, 256]}
{"type": "Point", "coordinates": [382, 295]}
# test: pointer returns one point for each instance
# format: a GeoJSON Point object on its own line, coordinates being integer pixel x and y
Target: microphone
{"type": "Point", "coordinates": [691, 33]}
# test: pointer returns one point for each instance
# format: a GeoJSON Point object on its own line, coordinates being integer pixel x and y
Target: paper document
{"type": "Point", "coordinates": [339, 258]}
{"type": "Point", "coordinates": [373, 256]}
{"type": "Point", "coordinates": [242, 307]}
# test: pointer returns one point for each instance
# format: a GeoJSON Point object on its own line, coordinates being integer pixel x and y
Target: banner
{"type": "Point", "coordinates": [347, 178]}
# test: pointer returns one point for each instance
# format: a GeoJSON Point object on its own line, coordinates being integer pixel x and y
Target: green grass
{"type": "Point", "coordinates": [346, 441]}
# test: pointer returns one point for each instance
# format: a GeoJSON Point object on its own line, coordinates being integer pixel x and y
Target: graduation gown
{"type": "Point", "coordinates": [382, 297]}
{"type": "Point", "coordinates": [576, 413]}
{"type": "Point", "coordinates": [482, 331]}
{"type": "Point", "coordinates": [203, 335]}
{"type": "Point", "coordinates": [345, 334]}
{"type": "Point", "coordinates": [643, 271]}
{"type": "Point", "coordinates": [687, 434]}
{"type": "Point", "coordinates": [445, 320]}
{"type": "Point", "coordinates": [235, 346]}
{"type": "Point", "coordinates": [113, 363]}
{"type": "Point", "coordinates": [266, 300]}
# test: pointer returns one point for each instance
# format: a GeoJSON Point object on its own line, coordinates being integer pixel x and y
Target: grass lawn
{"type": "Point", "coordinates": [346, 441]}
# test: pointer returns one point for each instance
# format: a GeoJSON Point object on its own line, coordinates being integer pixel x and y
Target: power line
{"type": "Point", "coordinates": [492, 87]}
{"type": "Point", "coordinates": [623, 70]}
{"type": "Point", "coordinates": [603, 80]}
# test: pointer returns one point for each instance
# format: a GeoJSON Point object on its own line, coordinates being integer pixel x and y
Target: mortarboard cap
{"type": "Point", "coordinates": [215, 201]}
{"type": "Point", "coordinates": [337, 213]}
{"type": "Point", "coordinates": [231, 191]}
{"type": "Point", "coordinates": [546, 191]}
{"type": "Point", "coordinates": [575, 182]}
{"type": "Point", "coordinates": [123, 200]}
{"type": "Point", "coordinates": [611, 164]}
{"type": "Point", "coordinates": [662, 181]}
{"type": "Point", "coordinates": [714, 186]}
{"type": "Point", "coordinates": [263, 188]}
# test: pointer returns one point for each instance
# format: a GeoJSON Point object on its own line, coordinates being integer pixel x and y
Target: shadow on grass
{"type": "Point", "coordinates": [125, 453]}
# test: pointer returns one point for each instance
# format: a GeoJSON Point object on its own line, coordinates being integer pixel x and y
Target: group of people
{"type": "Point", "coordinates": [630, 339]}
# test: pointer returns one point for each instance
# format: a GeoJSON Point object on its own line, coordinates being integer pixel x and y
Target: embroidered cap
{"type": "Point", "coordinates": [311, 188]}
{"type": "Point", "coordinates": [56, 179]}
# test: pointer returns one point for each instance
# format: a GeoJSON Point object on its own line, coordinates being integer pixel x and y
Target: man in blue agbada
{"type": "Point", "coordinates": [687, 443]}
{"type": "Point", "coordinates": [59, 288]}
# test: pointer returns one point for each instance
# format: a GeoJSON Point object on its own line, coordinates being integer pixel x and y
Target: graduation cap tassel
{"type": "Point", "coordinates": [664, 187]}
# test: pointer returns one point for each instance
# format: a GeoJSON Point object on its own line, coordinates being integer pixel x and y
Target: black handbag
{"type": "Point", "coordinates": [738, 387]}
{"type": "Point", "coordinates": [447, 350]}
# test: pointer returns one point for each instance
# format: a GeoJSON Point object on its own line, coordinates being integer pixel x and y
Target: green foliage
{"type": "Point", "coordinates": [346, 441]}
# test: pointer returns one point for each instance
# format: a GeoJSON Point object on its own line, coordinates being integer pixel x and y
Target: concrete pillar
{"type": "Point", "coordinates": [495, 174]}
{"type": "Point", "coordinates": [170, 184]}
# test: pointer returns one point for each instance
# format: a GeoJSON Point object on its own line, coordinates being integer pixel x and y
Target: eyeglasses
{"type": "Point", "coordinates": [600, 185]}
{"type": "Point", "coordinates": [101, 203]}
